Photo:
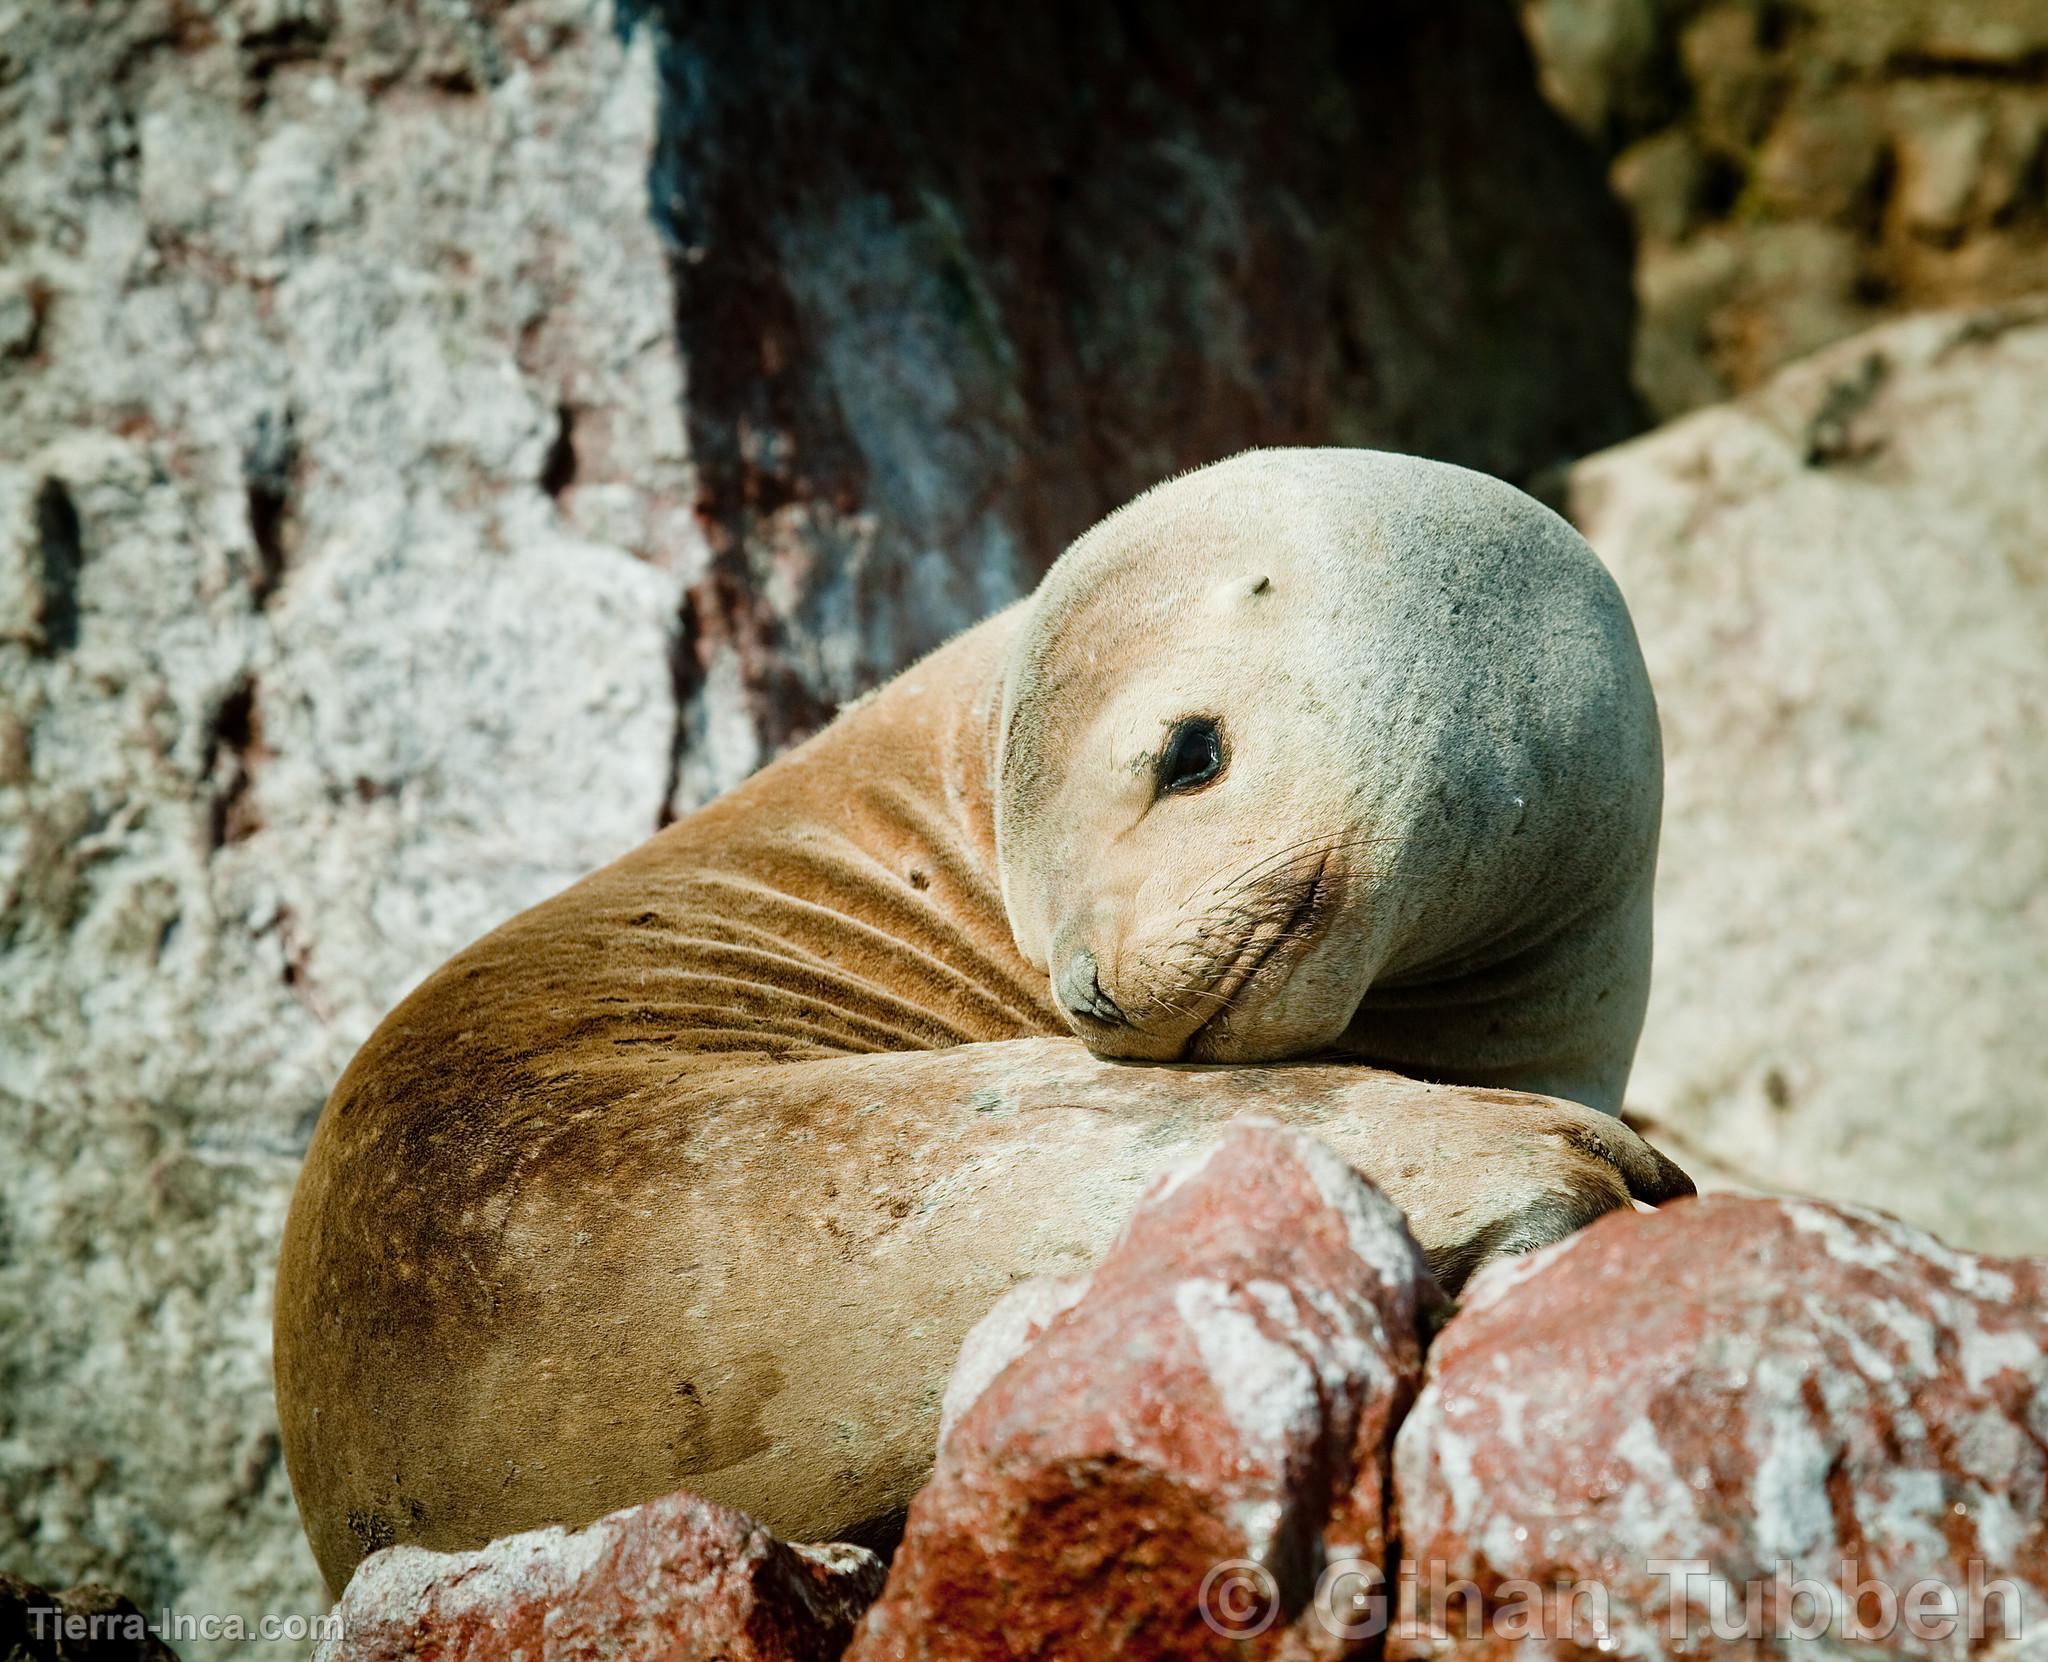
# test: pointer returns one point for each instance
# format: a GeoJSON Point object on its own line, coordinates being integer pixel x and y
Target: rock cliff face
{"type": "Point", "coordinates": [1841, 585]}
{"type": "Point", "coordinates": [1797, 173]}
{"type": "Point", "coordinates": [399, 515]}
{"type": "Point", "coordinates": [318, 658]}
{"type": "Point", "coordinates": [954, 282]}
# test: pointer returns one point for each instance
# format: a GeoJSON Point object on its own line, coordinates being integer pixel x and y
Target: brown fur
{"type": "Point", "coordinates": [696, 1175]}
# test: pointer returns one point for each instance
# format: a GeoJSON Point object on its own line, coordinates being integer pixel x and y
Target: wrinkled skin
{"type": "Point", "coordinates": [696, 1175]}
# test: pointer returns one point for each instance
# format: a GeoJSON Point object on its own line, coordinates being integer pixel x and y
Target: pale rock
{"type": "Point", "coordinates": [1820, 158]}
{"type": "Point", "coordinates": [1941, 157]}
{"type": "Point", "coordinates": [1660, 179]}
{"type": "Point", "coordinates": [305, 676]}
{"type": "Point", "coordinates": [1841, 586]}
{"type": "Point", "coordinates": [1846, 160]}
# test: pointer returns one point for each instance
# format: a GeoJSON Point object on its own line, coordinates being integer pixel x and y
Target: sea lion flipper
{"type": "Point", "coordinates": [1485, 1174]}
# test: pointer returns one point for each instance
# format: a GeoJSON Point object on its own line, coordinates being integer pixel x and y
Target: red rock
{"type": "Point", "coordinates": [1771, 1389]}
{"type": "Point", "coordinates": [1003, 1335]}
{"type": "Point", "coordinates": [679, 1579]}
{"type": "Point", "coordinates": [1222, 1393]}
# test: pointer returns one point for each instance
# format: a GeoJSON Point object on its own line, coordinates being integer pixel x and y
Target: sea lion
{"type": "Point", "coordinates": [695, 1175]}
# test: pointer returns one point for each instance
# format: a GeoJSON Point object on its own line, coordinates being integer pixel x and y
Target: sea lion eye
{"type": "Point", "coordinates": [1193, 755]}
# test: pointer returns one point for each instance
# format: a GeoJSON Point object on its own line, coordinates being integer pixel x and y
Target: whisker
{"type": "Point", "coordinates": [1262, 897]}
{"type": "Point", "coordinates": [1306, 849]}
{"type": "Point", "coordinates": [1268, 861]}
{"type": "Point", "coordinates": [1257, 866]}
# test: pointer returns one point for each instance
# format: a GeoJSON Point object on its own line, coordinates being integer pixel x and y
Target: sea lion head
{"type": "Point", "coordinates": [1303, 724]}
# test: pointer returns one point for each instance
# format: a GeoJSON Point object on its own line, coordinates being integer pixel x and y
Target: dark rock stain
{"type": "Point", "coordinates": [1832, 437]}
{"type": "Point", "coordinates": [235, 739]}
{"type": "Point", "coordinates": [558, 471]}
{"type": "Point", "coordinates": [269, 469]}
{"type": "Point", "coordinates": [62, 546]}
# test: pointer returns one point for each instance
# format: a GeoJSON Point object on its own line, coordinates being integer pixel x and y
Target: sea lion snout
{"type": "Point", "coordinates": [1082, 995]}
{"type": "Point", "coordinates": [1106, 986]}
{"type": "Point", "coordinates": [1195, 952]}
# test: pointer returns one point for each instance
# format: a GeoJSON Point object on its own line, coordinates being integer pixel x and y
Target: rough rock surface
{"type": "Point", "coordinates": [370, 565]}
{"type": "Point", "coordinates": [676, 1580]}
{"type": "Point", "coordinates": [1221, 1392]}
{"type": "Point", "coordinates": [1841, 585]}
{"type": "Point", "coordinates": [1797, 173]}
{"type": "Point", "coordinates": [1776, 1388]}
{"type": "Point", "coordinates": [315, 660]}
{"type": "Point", "coordinates": [81, 1624]}
{"type": "Point", "coordinates": [963, 279]}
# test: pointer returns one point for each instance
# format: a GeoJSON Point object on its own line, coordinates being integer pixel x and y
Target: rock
{"type": "Point", "coordinates": [1190, 1452]}
{"type": "Point", "coordinates": [1722, 1401]}
{"type": "Point", "coordinates": [2015, 162]}
{"type": "Point", "coordinates": [314, 666]}
{"type": "Point", "coordinates": [676, 1580]}
{"type": "Point", "coordinates": [1735, 80]}
{"type": "Point", "coordinates": [1003, 1335]}
{"type": "Point", "coordinates": [937, 322]}
{"type": "Point", "coordinates": [1841, 587]}
{"type": "Point", "coordinates": [1911, 132]}
{"type": "Point", "coordinates": [83, 1624]}
{"type": "Point", "coordinates": [1798, 293]}
{"type": "Point", "coordinates": [1684, 288]}
{"type": "Point", "coordinates": [1606, 64]}
{"type": "Point", "coordinates": [1661, 179]}
{"type": "Point", "coordinates": [401, 514]}
{"type": "Point", "coordinates": [1821, 160]}
{"type": "Point", "coordinates": [1941, 158]}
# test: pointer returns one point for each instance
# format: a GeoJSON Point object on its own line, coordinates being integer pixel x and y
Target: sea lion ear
{"type": "Point", "coordinates": [1234, 589]}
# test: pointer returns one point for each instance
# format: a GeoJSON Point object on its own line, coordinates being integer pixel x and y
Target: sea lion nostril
{"type": "Point", "coordinates": [1081, 991]}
